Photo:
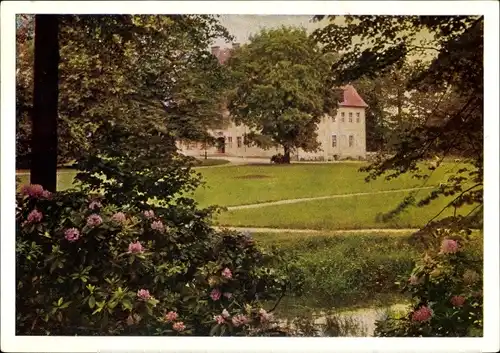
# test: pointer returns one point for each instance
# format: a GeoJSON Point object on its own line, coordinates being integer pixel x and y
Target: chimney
{"type": "Point", "coordinates": [236, 45]}
{"type": "Point", "coordinates": [215, 50]}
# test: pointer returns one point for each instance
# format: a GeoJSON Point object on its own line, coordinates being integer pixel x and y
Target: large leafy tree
{"type": "Point", "coordinates": [453, 72]}
{"type": "Point", "coordinates": [128, 71]}
{"type": "Point", "coordinates": [281, 90]}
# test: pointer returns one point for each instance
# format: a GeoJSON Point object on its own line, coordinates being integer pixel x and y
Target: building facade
{"type": "Point", "coordinates": [340, 136]}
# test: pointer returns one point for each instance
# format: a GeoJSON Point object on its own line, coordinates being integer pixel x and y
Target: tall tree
{"type": "Point", "coordinates": [281, 90]}
{"type": "Point", "coordinates": [128, 70]}
{"type": "Point", "coordinates": [45, 99]}
{"type": "Point", "coordinates": [454, 49]}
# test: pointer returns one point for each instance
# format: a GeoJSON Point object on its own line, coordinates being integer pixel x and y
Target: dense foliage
{"type": "Point", "coordinates": [281, 90]}
{"type": "Point", "coordinates": [449, 75]}
{"type": "Point", "coordinates": [446, 286]}
{"type": "Point", "coordinates": [128, 70]}
{"type": "Point", "coordinates": [88, 266]}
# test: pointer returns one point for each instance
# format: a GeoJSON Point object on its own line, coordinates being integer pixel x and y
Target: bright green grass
{"type": "Point", "coordinates": [65, 178]}
{"type": "Point", "coordinates": [239, 185]}
{"type": "Point", "coordinates": [354, 212]}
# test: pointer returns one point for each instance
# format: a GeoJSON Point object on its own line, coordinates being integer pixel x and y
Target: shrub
{"type": "Point", "coordinates": [446, 285]}
{"type": "Point", "coordinates": [278, 159]}
{"type": "Point", "coordinates": [85, 266]}
{"type": "Point", "coordinates": [99, 259]}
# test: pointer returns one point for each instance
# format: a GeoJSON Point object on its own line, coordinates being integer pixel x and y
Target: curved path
{"type": "Point", "coordinates": [305, 199]}
{"type": "Point", "coordinates": [318, 231]}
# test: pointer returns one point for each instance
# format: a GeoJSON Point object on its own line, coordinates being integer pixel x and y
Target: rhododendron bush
{"type": "Point", "coordinates": [87, 267]}
{"type": "Point", "coordinates": [446, 285]}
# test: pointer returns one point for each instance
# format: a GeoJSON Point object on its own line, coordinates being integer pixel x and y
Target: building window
{"type": "Point", "coordinates": [238, 141]}
{"type": "Point", "coordinates": [351, 141]}
{"type": "Point", "coordinates": [357, 120]}
{"type": "Point", "coordinates": [334, 119]}
{"type": "Point", "coordinates": [357, 117]}
{"type": "Point", "coordinates": [357, 114]}
{"type": "Point", "coordinates": [350, 118]}
{"type": "Point", "coordinates": [229, 141]}
{"type": "Point", "coordinates": [350, 115]}
{"type": "Point", "coordinates": [334, 140]}
{"type": "Point", "coordinates": [342, 119]}
{"type": "Point", "coordinates": [342, 114]}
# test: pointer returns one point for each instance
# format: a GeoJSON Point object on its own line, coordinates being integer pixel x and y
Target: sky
{"type": "Point", "coordinates": [242, 26]}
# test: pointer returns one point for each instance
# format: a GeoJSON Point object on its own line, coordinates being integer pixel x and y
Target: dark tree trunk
{"type": "Point", "coordinates": [45, 96]}
{"type": "Point", "coordinates": [286, 157]}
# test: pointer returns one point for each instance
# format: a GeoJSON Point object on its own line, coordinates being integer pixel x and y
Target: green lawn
{"type": "Point", "coordinates": [239, 185]}
{"type": "Point", "coordinates": [355, 212]}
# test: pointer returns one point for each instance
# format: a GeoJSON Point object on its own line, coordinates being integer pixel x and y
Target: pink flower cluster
{"type": "Point", "coordinates": [215, 294]}
{"type": "Point", "coordinates": [35, 191]}
{"type": "Point", "coordinates": [413, 280]}
{"type": "Point", "coordinates": [240, 320]}
{"type": "Point", "coordinates": [119, 217]}
{"type": "Point", "coordinates": [179, 326]}
{"type": "Point", "coordinates": [157, 225]}
{"type": "Point", "coordinates": [227, 273]}
{"type": "Point", "coordinates": [72, 234]}
{"type": "Point", "coordinates": [265, 316]}
{"type": "Point", "coordinates": [449, 246]}
{"type": "Point", "coordinates": [227, 295]}
{"type": "Point", "coordinates": [143, 294]}
{"type": "Point", "coordinates": [219, 319]}
{"type": "Point", "coordinates": [94, 220]}
{"type": "Point", "coordinates": [171, 316]}
{"type": "Point", "coordinates": [149, 214]}
{"type": "Point", "coordinates": [457, 300]}
{"type": "Point", "coordinates": [422, 314]}
{"type": "Point", "coordinates": [135, 248]}
{"type": "Point", "coordinates": [34, 216]}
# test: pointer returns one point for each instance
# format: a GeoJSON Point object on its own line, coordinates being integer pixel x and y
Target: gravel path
{"type": "Point", "coordinates": [305, 199]}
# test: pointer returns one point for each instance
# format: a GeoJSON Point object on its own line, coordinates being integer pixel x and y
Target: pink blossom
{"type": "Point", "coordinates": [219, 319]}
{"type": "Point", "coordinates": [228, 295]}
{"type": "Point", "coordinates": [171, 316]}
{"type": "Point", "coordinates": [449, 246]}
{"type": "Point", "coordinates": [413, 280]}
{"type": "Point", "coordinates": [33, 190]}
{"type": "Point", "coordinates": [94, 220]}
{"type": "Point", "coordinates": [35, 216]}
{"type": "Point", "coordinates": [422, 314]}
{"type": "Point", "coordinates": [179, 326]}
{"type": "Point", "coordinates": [119, 217]}
{"type": "Point", "coordinates": [265, 316]}
{"type": "Point", "coordinates": [94, 204]}
{"type": "Point", "coordinates": [239, 320]}
{"type": "Point", "coordinates": [46, 194]}
{"type": "Point", "coordinates": [215, 294]}
{"type": "Point", "coordinates": [225, 314]}
{"type": "Point", "coordinates": [227, 273]}
{"type": "Point", "coordinates": [143, 294]}
{"type": "Point", "coordinates": [71, 234]}
{"type": "Point", "coordinates": [135, 248]}
{"type": "Point", "coordinates": [149, 214]}
{"type": "Point", "coordinates": [157, 225]}
{"type": "Point", "coordinates": [457, 300]}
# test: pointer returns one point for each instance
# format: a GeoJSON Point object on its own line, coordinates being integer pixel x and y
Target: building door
{"type": "Point", "coordinates": [221, 145]}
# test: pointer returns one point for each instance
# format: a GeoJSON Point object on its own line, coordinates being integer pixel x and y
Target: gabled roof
{"type": "Point", "coordinates": [352, 98]}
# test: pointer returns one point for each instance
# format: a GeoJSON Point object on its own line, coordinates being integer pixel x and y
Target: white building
{"type": "Point", "coordinates": [341, 136]}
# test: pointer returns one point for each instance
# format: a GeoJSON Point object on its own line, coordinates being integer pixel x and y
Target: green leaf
{"type": "Point", "coordinates": [91, 302]}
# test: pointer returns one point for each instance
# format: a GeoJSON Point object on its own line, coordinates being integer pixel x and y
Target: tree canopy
{"type": "Point", "coordinates": [132, 70]}
{"type": "Point", "coordinates": [281, 90]}
{"type": "Point", "coordinates": [451, 70]}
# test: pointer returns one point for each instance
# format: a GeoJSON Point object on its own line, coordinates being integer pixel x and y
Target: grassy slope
{"type": "Point", "coordinates": [354, 212]}
{"type": "Point", "coordinates": [238, 185]}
